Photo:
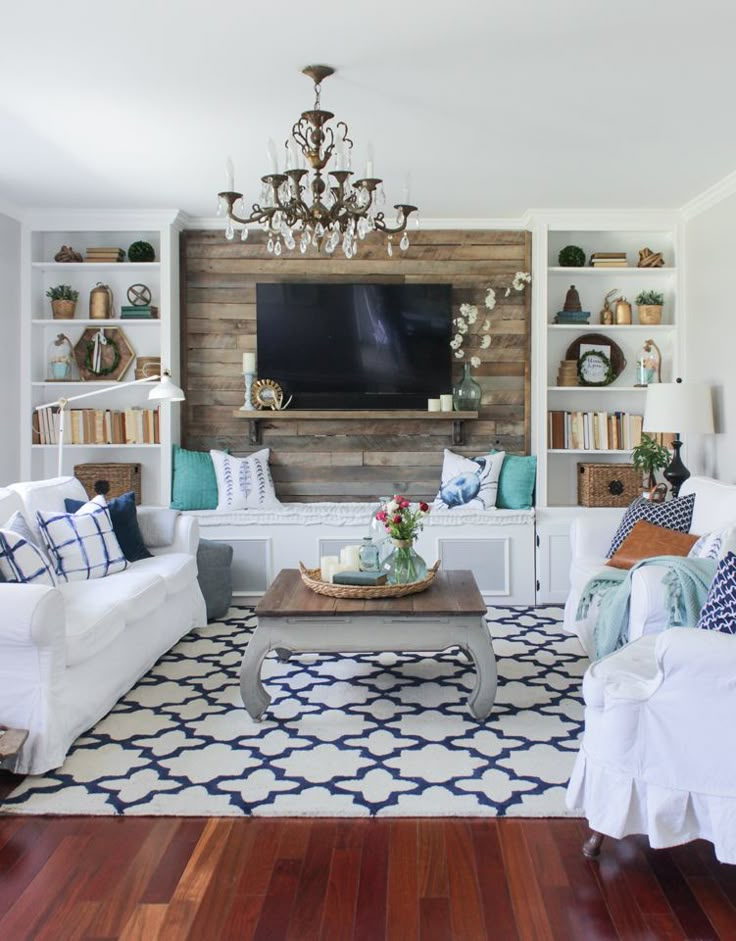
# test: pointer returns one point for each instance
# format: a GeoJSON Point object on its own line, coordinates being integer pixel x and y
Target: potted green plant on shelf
{"type": "Point", "coordinates": [650, 307]}
{"type": "Point", "coordinates": [649, 457]}
{"type": "Point", "coordinates": [63, 301]}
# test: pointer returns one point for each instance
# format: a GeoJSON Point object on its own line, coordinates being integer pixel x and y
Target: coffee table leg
{"type": "Point", "coordinates": [255, 698]}
{"type": "Point", "coordinates": [480, 648]}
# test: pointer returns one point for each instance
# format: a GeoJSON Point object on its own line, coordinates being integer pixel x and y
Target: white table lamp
{"type": "Point", "coordinates": [163, 390]}
{"type": "Point", "coordinates": [687, 406]}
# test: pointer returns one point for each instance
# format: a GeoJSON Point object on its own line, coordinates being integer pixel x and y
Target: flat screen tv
{"type": "Point", "coordinates": [355, 346]}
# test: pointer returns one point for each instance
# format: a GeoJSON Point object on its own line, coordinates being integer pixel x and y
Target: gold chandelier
{"type": "Point", "coordinates": [310, 204]}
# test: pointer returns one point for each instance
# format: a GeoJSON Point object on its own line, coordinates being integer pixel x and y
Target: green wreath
{"type": "Point", "coordinates": [598, 354]}
{"type": "Point", "coordinates": [105, 370]}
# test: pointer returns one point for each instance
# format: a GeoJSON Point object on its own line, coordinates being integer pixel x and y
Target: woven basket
{"type": "Point", "coordinates": [608, 484]}
{"type": "Point", "coordinates": [120, 477]}
{"type": "Point", "coordinates": [311, 578]}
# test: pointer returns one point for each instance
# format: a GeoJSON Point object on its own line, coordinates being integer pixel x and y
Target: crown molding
{"type": "Point", "coordinates": [634, 219]}
{"type": "Point", "coordinates": [102, 220]}
{"type": "Point", "coordinates": [12, 212]}
{"type": "Point", "coordinates": [710, 197]}
{"type": "Point", "coordinates": [218, 222]}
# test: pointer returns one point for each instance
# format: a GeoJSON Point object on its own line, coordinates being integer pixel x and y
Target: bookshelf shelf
{"type": "Point", "coordinates": [97, 265]}
{"type": "Point", "coordinates": [608, 389]}
{"type": "Point", "coordinates": [68, 444]}
{"type": "Point", "coordinates": [111, 321]}
{"type": "Point", "coordinates": [614, 272]}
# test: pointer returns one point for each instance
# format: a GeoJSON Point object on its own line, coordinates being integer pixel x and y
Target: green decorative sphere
{"type": "Point", "coordinates": [571, 256]}
{"type": "Point", "coordinates": [141, 251]}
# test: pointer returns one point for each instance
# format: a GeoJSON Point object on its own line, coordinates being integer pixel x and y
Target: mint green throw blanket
{"type": "Point", "coordinates": [686, 587]}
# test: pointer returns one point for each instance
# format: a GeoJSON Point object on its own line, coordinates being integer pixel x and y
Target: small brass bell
{"type": "Point", "coordinates": [100, 302]}
{"type": "Point", "coordinates": [622, 311]}
{"type": "Point", "coordinates": [606, 314]}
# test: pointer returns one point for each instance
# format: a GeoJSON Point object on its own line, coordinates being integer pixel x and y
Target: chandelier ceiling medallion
{"type": "Point", "coordinates": [315, 201]}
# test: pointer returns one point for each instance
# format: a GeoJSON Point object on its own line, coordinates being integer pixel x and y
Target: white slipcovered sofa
{"type": "Point", "coordinates": [67, 654]}
{"type": "Point", "coordinates": [591, 535]}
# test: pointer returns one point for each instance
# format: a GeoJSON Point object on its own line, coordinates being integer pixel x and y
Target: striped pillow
{"type": "Point", "coordinates": [82, 545]}
{"type": "Point", "coordinates": [21, 561]}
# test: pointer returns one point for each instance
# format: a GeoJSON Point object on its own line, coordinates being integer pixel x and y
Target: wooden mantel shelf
{"type": "Point", "coordinates": [293, 414]}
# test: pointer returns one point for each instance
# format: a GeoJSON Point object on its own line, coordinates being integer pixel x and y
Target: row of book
{"type": "Point", "coordinates": [609, 260]}
{"type": "Point", "coordinates": [593, 431]}
{"type": "Point", "coordinates": [98, 426]}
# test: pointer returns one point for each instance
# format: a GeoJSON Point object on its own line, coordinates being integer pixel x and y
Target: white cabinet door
{"type": "Point", "coordinates": [553, 561]}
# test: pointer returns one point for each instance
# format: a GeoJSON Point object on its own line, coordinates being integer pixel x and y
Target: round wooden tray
{"type": "Point", "coordinates": [311, 578]}
{"type": "Point", "coordinates": [618, 360]}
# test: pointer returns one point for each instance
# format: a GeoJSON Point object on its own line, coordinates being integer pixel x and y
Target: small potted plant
{"type": "Point", "coordinates": [650, 307]}
{"type": "Point", "coordinates": [649, 457]}
{"type": "Point", "coordinates": [63, 301]}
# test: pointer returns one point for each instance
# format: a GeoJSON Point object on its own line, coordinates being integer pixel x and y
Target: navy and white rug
{"type": "Point", "coordinates": [360, 735]}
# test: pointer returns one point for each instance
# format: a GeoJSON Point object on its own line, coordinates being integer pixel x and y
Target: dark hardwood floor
{"type": "Point", "coordinates": [150, 878]}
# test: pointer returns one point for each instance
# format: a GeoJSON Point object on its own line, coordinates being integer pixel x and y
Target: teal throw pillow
{"type": "Point", "coordinates": [194, 486]}
{"type": "Point", "coordinates": [516, 483]}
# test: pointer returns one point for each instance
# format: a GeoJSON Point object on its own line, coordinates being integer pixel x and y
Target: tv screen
{"type": "Point", "coordinates": [355, 346]}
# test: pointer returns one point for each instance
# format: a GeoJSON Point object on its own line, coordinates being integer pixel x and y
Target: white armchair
{"type": "Point", "coordinates": [658, 755]}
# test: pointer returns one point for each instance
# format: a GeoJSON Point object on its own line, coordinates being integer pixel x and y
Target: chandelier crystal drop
{"type": "Point", "coordinates": [315, 201]}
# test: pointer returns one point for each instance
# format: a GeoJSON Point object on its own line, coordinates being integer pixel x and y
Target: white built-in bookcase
{"type": "Point", "coordinates": [594, 232]}
{"type": "Point", "coordinates": [42, 237]}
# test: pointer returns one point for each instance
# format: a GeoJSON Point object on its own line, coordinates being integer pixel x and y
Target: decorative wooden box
{"type": "Point", "coordinates": [608, 484]}
{"type": "Point", "coordinates": [120, 477]}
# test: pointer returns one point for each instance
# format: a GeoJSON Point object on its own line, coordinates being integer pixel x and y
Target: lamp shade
{"type": "Point", "coordinates": [167, 390]}
{"type": "Point", "coordinates": [682, 407]}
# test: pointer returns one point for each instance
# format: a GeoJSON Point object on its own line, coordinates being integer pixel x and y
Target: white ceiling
{"type": "Point", "coordinates": [495, 107]}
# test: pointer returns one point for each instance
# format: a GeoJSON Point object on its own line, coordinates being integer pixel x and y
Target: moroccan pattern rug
{"type": "Point", "coordinates": [358, 735]}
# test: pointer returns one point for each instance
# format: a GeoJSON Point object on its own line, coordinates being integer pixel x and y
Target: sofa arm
{"type": "Point", "coordinates": [186, 537]}
{"type": "Point", "coordinates": [698, 660]}
{"type": "Point", "coordinates": [33, 615]}
{"type": "Point", "coordinates": [590, 536]}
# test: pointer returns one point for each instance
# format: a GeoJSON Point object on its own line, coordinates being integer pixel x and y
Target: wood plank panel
{"type": "Point", "coordinates": [312, 460]}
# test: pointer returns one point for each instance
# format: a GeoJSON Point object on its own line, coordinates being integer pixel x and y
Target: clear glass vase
{"type": "Point", "coordinates": [404, 565]}
{"type": "Point", "coordinates": [466, 394]}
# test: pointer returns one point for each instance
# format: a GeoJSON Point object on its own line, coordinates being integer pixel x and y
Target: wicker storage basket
{"type": "Point", "coordinates": [120, 477]}
{"type": "Point", "coordinates": [608, 484]}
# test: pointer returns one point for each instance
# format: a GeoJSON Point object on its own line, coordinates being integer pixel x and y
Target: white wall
{"type": "Point", "coordinates": [9, 349]}
{"type": "Point", "coordinates": [710, 331]}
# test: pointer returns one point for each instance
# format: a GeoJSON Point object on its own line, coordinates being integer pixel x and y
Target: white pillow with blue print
{"type": "Point", "coordinates": [20, 559]}
{"type": "Point", "coordinates": [469, 484]}
{"type": "Point", "coordinates": [82, 545]}
{"type": "Point", "coordinates": [243, 483]}
{"type": "Point", "coordinates": [719, 610]}
{"type": "Point", "coordinates": [714, 545]}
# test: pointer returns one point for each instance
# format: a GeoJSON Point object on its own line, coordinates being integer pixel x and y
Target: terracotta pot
{"type": "Point", "coordinates": [63, 310]}
{"type": "Point", "coordinates": [650, 314]}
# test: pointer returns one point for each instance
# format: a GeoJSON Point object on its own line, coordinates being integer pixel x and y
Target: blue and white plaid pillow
{"type": "Point", "coordinates": [82, 545]}
{"type": "Point", "coordinates": [20, 561]}
{"type": "Point", "coordinates": [719, 610]}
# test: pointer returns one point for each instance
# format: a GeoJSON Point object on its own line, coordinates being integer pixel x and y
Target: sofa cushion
{"type": "Point", "coordinates": [82, 545]}
{"type": "Point", "coordinates": [516, 482]}
{"type": "Point", "coordinates": [675, 514]}
{"type": "Point", "coordinates": [124, 524]}
{"type": "Point", "coordinates": [98, 611]}
{"type": "Point", "coordinates": [719, 610]}
{"type": "Point", "coordinates": [177, 569]}
{"type": "Point", "coordinates": [647, 540]}
{"type": "Point", "coordinates": [194, 485]}
{"type": "Point", "coordinates": [47, 496]}
{"type": "Point", "coordinates": [471, 484]}
{"type": "Point", "coordinates": [243, 483]}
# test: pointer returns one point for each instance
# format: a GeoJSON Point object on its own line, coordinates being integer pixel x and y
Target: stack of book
{"type": "Point", "coordinates": [131, 312]}
{"type": "Point", "coordinates": [609, 260]}
{"type": "Point", "coordinates": [578, 317]}
{"type": "Point", "coordinates": [98, 426]}
{"type": "Point", "coordinates": [593, 431]}
{"type": "Point", "coordinates": [105, 255]}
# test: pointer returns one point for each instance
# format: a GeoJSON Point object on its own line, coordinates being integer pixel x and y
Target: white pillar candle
{"type": "Point", "coordinates": [350, 558]}
{"type": "Point", "coordinates": [434, 405]}
{"type": "Point", "coordinates": [249, 362]}
{"type": "Point", "coordinates": [446, 402]}
{"type": "Point", "coordinates": [327, 566]}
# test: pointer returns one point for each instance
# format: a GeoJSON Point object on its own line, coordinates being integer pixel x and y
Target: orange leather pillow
{"type": "Point", "coordinates": [646, 540]}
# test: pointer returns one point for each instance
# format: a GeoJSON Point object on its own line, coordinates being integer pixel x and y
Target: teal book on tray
{"type": "Point", "coordinates": [359, 578]}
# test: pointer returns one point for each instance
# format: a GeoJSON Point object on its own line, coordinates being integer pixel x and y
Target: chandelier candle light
{"type": "Point", "coordinates": [309, 204]}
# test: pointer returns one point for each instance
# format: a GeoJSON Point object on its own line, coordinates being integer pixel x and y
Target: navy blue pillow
{"type": "Point", "coordinates": [719, 610]}
{"type": "Point", "coordinates": [124, 524]}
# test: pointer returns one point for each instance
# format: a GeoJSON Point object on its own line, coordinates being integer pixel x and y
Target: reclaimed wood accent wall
{"type": "Point", "coordinates": [354, 460]}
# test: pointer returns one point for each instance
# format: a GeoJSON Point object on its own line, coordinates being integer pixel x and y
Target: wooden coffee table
{"type": "Point", "coordinates": [293, 619]}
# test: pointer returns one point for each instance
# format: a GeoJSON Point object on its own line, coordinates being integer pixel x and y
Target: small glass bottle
{"type": "Point", "coordinates": [368, 556]}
